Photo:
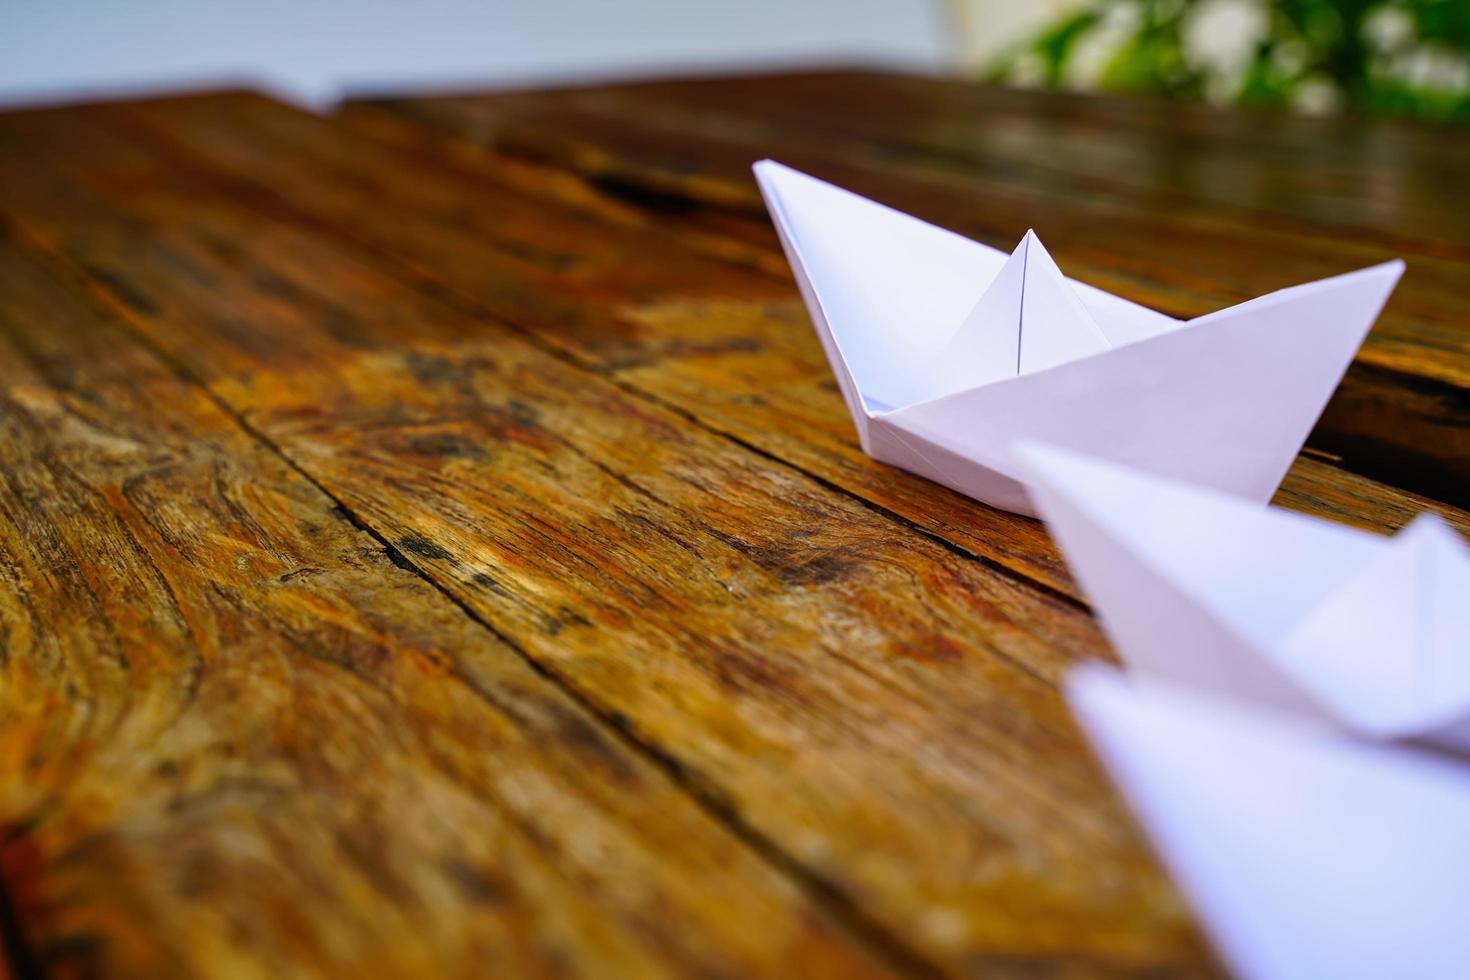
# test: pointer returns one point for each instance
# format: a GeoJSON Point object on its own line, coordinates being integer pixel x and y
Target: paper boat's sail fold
{"type": "Point", "coordinates": [1262, 605]}
{"type": "Point", "coordinates": [1306, 854]}
{"type": "Point", "coordinates": [1055, 327]}
{"type": "Point", "coordinates": [946, 349]}
{"type": "Point", "coordinates": [1029, 318]}
{"type": "Point", "coordinates": [1391, 647]}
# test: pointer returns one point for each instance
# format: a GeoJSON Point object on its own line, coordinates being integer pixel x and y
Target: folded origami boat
{"type": "Point", "coordinates": [1367, 632]}
{"type": "Point", "coordinates": [1306, 854]}
{"type": "Point", "coordinates": [947, 351]}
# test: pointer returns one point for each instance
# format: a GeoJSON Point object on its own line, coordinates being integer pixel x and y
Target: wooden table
{"type": "Point", "coordinates": [433, 543]}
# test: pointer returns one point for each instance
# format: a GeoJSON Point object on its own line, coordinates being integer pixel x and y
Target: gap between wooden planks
{"type": "Point", "coordinates": [875, 706]}
{"type": "Point", "coordinates": [1402, 413]}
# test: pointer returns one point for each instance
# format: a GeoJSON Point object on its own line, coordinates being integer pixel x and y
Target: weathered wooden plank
{"type": "Point", "coordinates": [1379, 179]}
{"type": "Point", "coordinates": [874, 705]}
{"type": "Point", "coordinates": [239, 740]}
{"type": "Point", "coordinates": [716, 339]}
{"type": "Point", "coordinates": [711, 336]}
{"type": "Point", "coordinates": [1400, 415]}
{"type": "Point", "coordinates": [700, 153]}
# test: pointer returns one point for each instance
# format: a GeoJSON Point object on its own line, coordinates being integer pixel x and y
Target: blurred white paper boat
{"type": "Point", "coordinates": [946, 351]}
{"type": "Point", "coordinates": [1368, 632]}
{"type": "Point", "coordinates": [1306, 854]}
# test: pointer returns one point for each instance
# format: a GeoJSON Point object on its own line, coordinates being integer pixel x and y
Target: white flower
{"type": "Point", "coordinates": [1317, 96]}
{"type": "Point", "coordinates": [1387, 28]}
{"type": "Point", "coordinates": [1220, 35]}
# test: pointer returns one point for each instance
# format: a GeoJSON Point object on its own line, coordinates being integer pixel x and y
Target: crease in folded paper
{"type": "Point", "coordinates": [1028, 319]}
{"type": "Point", "coordinates": [966, 350]}
{"type": "Point", "coordinates": [1303, 615]}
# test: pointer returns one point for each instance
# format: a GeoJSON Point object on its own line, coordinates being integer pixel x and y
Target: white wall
{"type": "Point", "coordinates": [311, 50]}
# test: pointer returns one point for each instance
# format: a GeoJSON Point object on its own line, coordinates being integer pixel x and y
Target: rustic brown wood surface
{"type": "Point", "coordinates": [434, 544]}
{"type": "Point", "coordinates": [1184, 210]}
{"type": "Point", "coordinates": [240, 739]}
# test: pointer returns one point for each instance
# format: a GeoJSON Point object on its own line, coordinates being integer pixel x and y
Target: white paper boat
{"type": "Point", "coordinates": [947, 350]}
{"type": "Point", "coordinates": [1368, 632]}
{"type": "Point", "coordinates": [1306, 854]}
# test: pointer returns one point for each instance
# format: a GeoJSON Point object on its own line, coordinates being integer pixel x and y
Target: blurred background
{"type": "Point", "coordinates": [1385, 57]}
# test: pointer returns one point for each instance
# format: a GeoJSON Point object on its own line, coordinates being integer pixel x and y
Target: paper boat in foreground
{"type": "Point", "coordinates": [947, 350]}
{"type": "Point", "coordinates": [1305, 854]}
{"type": "Point", "coordinates": [1368, 632]}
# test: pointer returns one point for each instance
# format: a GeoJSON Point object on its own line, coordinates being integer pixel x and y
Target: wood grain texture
{"type": "Point", "coordinates": [240, 740]}
{"type": "Point", "coordinates": [521, 601]}
{"type": "Point", "coordinates": [876, 707]}
{"type": "Point", "coordinates": [710, 336]}
{"type": "Point", "coordinates": [1402, 413]}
